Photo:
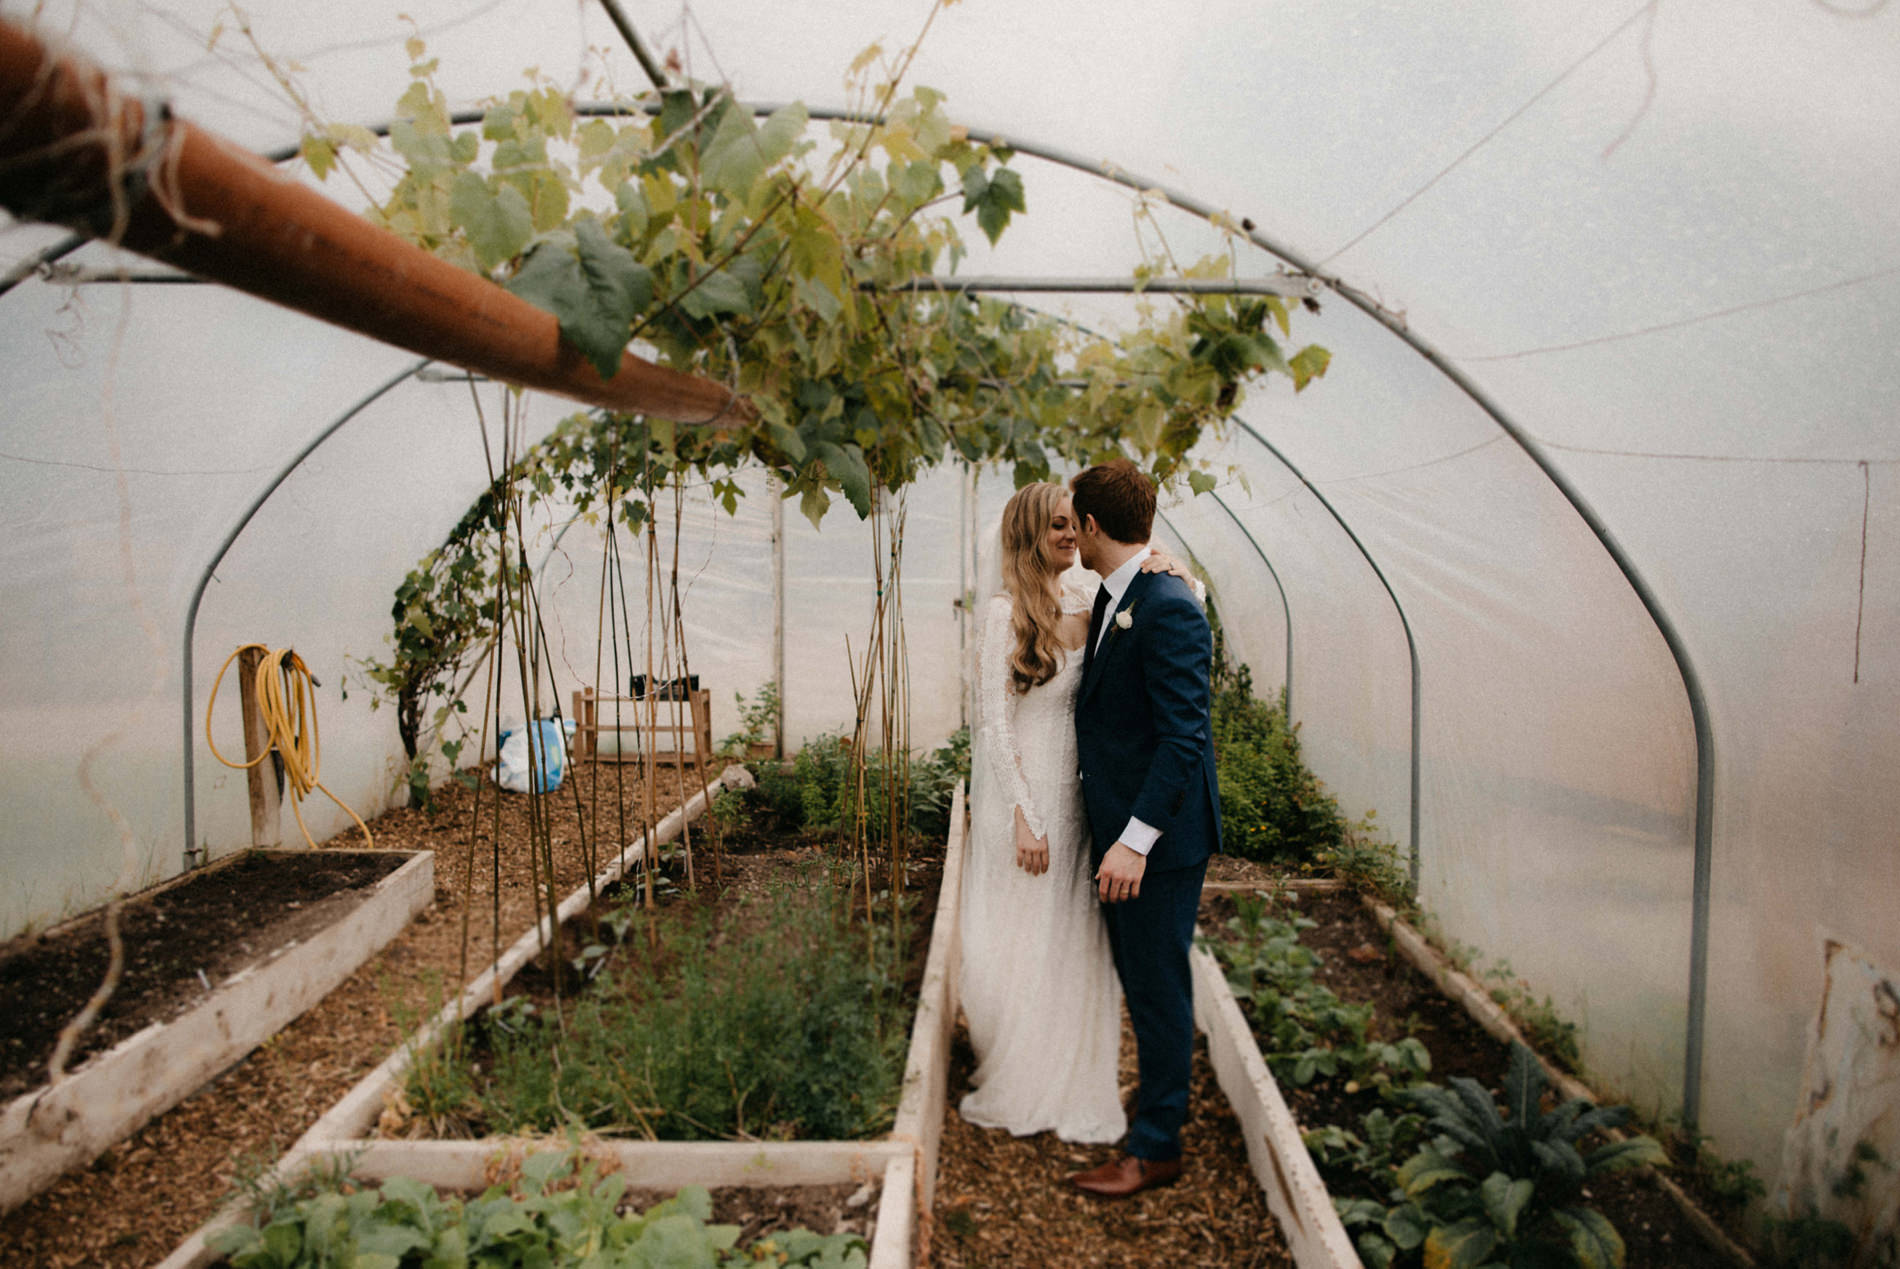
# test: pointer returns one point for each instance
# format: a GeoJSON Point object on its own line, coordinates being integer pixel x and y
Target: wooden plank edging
{"type": "Point", "coordinates": [58, 1127]}
{"type": "Point", "coordinates": [1295, 1194]}
{"type": "Point", "coordinates": [1477, 1002]}
{"type": "Point", "coordinates": [907, 1158]}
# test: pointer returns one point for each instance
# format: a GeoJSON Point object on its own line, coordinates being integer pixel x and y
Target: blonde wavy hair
{"type": "Point", "coordinates": [1028, 574]}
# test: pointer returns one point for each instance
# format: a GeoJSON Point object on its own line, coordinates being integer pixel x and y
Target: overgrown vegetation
{"type": "Point", "coordinates": [1273, 808]}
{"type": "Point", "coordinates": [816, 792]}
{"type": "Point", "coordinates": [789, 1022]}
{"type": "Point", "coordinates": [559, 1214]}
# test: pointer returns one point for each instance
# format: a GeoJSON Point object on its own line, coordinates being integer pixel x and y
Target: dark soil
{"type": "Point", "coordinates": [1360, 964]}
{"type": "Point", "coordinates": [134, 1204]}
{"type": "Point", "coordinates": [848, 1208]}
{"type": "Point", "coordinates": [180, 942]}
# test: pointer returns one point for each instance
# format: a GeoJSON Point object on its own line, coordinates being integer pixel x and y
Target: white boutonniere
{"type": "Point", "coordinates": [1125, 619]}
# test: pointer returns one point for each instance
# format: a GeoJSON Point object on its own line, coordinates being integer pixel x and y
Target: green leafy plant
{"type": "Point", "coordinates": [741, 249]}
{"type": "Point", "coordinates": [1272, 807]}
{"type": "Point", "coordinates": [1375, 1152]}
{"type": "Point", "coordinates": [797, 1028]}
{"type": "Point", "coordinates": [758, 722]}
{"type": "Point", "coordinates": [1305, 1030]}
{"type": "Point", "coordinates": [1367, 861]}
{"type": "Point", "coordinates": [559, 1214]}
{"type": "Point", "coordinates": [1505, 1187]}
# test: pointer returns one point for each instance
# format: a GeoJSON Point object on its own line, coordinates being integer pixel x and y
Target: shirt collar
{"type": "Point", "coordinates": [1117, 581]}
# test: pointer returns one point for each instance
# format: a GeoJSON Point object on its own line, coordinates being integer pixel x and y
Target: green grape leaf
{"type": "Point", "coordinates": [992, 197]}
{"type": "Point", "coordinates": [1308, 364]}
{"type": "Point", "coordinates": [719, 292]}
{"type": "Point", "coordinates": [845, 464]}
{"type": "Point", "coordinates": [593, 285]}
{"type": "Point", "coordinates": [740, 151]}
{"type": "Point", "coordinates": [320, 154]}
{"type": "Point", "coordinates": [1202, 482]}
{"type": "Point", "coordinates": [498, 225]}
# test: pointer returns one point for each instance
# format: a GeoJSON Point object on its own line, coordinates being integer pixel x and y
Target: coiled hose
{"type": "Point", "coordinates": [286, 698]}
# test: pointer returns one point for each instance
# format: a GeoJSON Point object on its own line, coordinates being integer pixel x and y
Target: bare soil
{"type": "Point", "coordinates": [180, 943]}
{"type": "Point", "coordinates": [1360, 964]}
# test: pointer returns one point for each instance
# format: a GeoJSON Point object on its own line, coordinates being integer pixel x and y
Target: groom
{"type": "Point", "coordinates": [1145, 744]}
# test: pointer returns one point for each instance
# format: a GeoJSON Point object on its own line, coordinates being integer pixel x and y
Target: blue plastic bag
{"type": "Point", "coordinates": [550, 744]}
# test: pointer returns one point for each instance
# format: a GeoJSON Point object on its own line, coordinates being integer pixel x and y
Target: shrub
{"type": "Point", "coordinates": [1272, 807]}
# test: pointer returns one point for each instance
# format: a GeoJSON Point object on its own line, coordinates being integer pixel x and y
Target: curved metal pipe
{"type": "Point", "coordinates": [1287, 609]}
{"type": "Point", "coordinates": [1678, 647]}
{"type": "Point", "coordinates": [1411, 644]}
{"type": "Point", "coordinates": [1285, 606]}
{"type": "Point", "coordinates": [217, 558]}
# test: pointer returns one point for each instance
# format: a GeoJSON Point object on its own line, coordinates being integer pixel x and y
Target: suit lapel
{"type": "Point", "coordinates": [1092, 668]}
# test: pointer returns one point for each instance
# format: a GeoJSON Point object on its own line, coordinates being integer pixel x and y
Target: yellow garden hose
{"type": "Point", "coordinates": [287, 700]}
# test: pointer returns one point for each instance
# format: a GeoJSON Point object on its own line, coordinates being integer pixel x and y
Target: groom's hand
{"type": "Point", "coordinates": [1119, 877]}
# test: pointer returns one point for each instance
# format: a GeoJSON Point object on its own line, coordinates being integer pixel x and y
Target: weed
{"type": "Point", "coordinates": [1538, 1019]}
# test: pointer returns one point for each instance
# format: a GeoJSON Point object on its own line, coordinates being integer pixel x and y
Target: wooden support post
{"type": "Point", "coordinates": [261, 777]}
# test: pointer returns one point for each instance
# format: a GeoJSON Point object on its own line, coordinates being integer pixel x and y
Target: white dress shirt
{"type": "Point", "coordinates": [1138, 837]}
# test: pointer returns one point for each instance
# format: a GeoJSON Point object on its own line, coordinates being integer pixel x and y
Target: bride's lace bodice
{"type": "Point", "coordinates": [1028, 738]}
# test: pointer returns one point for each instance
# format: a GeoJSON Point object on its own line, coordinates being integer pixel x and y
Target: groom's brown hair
{"type": "Point", "coordinates": [1120, 497]}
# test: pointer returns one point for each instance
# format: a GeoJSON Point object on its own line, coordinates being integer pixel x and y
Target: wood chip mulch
{"type": "Point", "coordinates": [1004, 1200]}
{"type": "Point", "coordinates": [141, 1198]}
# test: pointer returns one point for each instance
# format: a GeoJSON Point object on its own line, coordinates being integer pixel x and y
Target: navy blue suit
{"type": "Point", "coordinates": [1145, 745]}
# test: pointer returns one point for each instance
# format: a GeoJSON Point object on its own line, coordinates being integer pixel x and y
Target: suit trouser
{"type": "Point", "coordinates": [1150, 936]}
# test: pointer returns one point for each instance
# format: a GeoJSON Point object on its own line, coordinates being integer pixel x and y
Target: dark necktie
{"type": "Point", "coordinates": [1095, 624]}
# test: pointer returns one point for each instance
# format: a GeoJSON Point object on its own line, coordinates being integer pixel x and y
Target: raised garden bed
{"type": "Point", "coordinates": [900, 1162]}
{"type": "Point", "coordinates": [215, 965]}
{"type": "Point", "coordinates": [1361, 963]}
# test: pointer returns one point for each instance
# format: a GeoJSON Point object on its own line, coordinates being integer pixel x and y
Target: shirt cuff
{"type": "Point", "coordinates": [1139, 837]}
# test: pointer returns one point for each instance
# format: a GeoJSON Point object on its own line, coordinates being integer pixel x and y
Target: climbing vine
{"type": "Point", "coordinates": [769, 254]}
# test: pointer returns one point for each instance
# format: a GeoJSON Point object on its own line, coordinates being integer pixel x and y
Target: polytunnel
{"type": "Point", "coordinates": [1571, 565]}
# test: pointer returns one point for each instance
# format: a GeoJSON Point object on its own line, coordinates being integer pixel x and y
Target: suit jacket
{"type": "Point", "coordinates": [1144, 738]}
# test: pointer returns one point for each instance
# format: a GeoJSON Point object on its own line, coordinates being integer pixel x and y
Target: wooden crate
{"type": "Point", "coordinates": [678, 723]}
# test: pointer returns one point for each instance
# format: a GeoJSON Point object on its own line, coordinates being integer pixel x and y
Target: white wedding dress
{"type": "Point", "coordinates": [1038, 984]}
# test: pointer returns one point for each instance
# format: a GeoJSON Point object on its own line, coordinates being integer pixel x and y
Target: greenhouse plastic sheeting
{"type": "Point", "coordinates": [1655, 240]}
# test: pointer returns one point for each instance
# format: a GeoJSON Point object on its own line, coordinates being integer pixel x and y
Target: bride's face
{"type": "Point", "coordinates": [1061, 536]}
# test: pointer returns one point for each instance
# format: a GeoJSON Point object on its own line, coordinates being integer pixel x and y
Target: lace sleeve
{"type": "Point", "coordinates": [996, 710]}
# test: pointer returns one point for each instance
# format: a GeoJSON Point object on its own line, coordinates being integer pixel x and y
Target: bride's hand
{"type": "Point", "coordinates": [1032, 852]}
{"type": "Point", "coordinates": [1160, 561]}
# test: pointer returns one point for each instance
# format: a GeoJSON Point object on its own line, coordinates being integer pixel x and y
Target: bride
{"type": "Point", "coordinates": [1039, 986]}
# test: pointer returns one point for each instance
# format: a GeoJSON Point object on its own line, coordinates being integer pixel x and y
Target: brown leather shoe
{"type": "Point", "coordinates": [1127, 1175]}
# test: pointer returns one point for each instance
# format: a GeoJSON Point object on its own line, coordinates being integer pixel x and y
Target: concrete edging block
{"type": "Point", "coordinates": [45, 1133]}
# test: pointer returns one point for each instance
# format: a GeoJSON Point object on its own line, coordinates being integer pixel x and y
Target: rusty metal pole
{"type": "Point", "coordinates": [74, 151]}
